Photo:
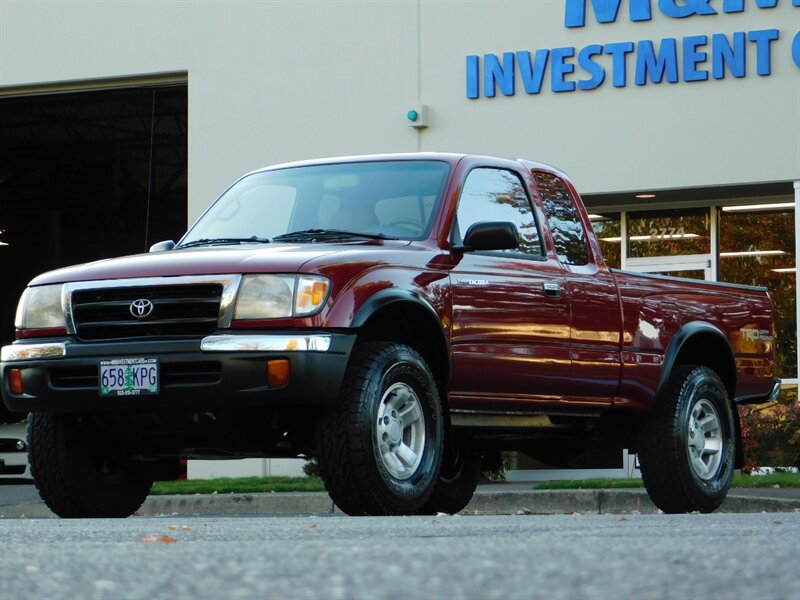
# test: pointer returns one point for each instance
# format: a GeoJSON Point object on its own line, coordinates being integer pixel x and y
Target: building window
{"type": "Point", "coordinates": [758, 248]}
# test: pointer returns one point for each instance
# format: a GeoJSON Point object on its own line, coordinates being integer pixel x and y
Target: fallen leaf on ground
{"type": "Point", "coordinates": [164, 539]}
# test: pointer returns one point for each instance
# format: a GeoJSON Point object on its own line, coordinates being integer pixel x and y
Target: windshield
{"type": "Point", "coordinates": [390, 199]}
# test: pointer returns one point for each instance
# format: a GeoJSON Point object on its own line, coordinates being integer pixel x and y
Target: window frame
{"type": "Point", "coordinates": [456, 238]}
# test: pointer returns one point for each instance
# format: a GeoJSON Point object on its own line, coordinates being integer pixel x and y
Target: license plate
{"type": "Point", "coordinates": [129, 377]}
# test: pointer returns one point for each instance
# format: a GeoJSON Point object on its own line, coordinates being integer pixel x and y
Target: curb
{"type": "Point", "coordinates": [553, 502]}
{"type": "Point", "coordinates": [539, 502]}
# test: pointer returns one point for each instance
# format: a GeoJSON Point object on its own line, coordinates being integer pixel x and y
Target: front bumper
{"type": "Point", "coordinates": [218, 371]}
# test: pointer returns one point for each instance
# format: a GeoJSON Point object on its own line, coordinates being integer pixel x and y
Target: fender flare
{"type": "Point", "coordinates": [685, 334]}
{"type": "Point", "coordinates": [385, 297]}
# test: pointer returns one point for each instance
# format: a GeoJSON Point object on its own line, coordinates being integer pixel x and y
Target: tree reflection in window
{"type": "Point", "coordinates": [669, 232]}
{"type": "Point", "coordinates": [757, 248]}
{"type": "Point", "coordinates": [498, 195]}
{"type": "Point", "coordinates": [562, 215]}
{"type": "Point", "coordinates": [607, 229]}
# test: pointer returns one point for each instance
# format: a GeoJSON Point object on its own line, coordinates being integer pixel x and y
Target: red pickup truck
{"type": "Point", "coordinates": [402, 318]}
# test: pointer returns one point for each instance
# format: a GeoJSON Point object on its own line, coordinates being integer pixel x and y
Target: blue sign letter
{"type": "Point", "coordinates": [473, 76]}
{"type": "Point", "coordinates": [493, 72]}
{"type": "Point", "coordinates": [763, 40]}
{"type": "Point", "coordinates": [686, 8]}
{"type": "Point", "coordinates": [796, 49]}
{"type": "Point", "coordinates": [691, 58]}
{"type": "Point", "coordinates": [722, 53]}
{"type": "Point", "coordinates": [558, 68]}
{"type": "Point", "coordinates": [597, 72]}
{"type": "Point", "coordinates": [605, 11]}
{"type": "Point", "coordinates": [647, 62]}
{"type": "Point", "coordinates": [532, 75]}
{"type": "Point", "coordinates": [619, 52]}
{"type": "Point", "coordinates": [734, 6]}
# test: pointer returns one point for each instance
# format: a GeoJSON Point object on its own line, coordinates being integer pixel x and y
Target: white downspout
{"type": "Point", "coordinates": [796, 258]}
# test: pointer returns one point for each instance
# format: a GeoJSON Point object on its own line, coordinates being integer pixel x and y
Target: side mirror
{"type": "Point", "coordinates": [491, 235]}
{"type": "Point", "coordinates": [162, 246]}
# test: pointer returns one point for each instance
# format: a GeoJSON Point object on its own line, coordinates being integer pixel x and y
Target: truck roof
{"type": "Point", "coordinates": [452, 158]}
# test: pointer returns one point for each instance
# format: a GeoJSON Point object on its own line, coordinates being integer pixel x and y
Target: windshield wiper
{"type": "Point", "coordinates": [327, 234]}
{"type": "Point", "coordinates": [224, 241]}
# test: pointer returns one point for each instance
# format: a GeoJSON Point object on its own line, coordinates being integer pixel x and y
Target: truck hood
{"type": "Point", "coordinates": [215, 260]}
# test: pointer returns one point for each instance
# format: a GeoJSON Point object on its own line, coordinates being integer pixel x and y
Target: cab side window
{"type": "Point", "coordinates": [497, 195]}
{"type": "Point", "coordinates": [563, 218]}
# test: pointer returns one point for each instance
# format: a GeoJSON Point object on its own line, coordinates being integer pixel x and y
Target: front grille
{"type": "Point", "coordinates": [184, 310]}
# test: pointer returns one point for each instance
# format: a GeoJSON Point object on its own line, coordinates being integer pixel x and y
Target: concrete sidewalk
{"type": "Point", "coordinates": [490, 499]}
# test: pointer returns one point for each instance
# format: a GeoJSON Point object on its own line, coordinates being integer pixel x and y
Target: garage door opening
{"type": "Point", "coordinates": [87, 175]}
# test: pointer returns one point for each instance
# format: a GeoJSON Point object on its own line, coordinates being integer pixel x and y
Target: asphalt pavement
{"type": "Point", "coordinates": [559, 557]}
{"type": "Point", "coordinates": [503, 498]}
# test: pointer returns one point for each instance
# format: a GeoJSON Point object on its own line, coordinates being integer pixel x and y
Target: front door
{"type": "Point", "coordinates": [510, 336]}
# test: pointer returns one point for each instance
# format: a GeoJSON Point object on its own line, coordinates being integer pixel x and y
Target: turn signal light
{"type": "Point", "coordinates": [277, 372]}
{"type": "Point", "coordinates": [312, 291]}
{"type": "Point", "coordinates": [15, 381]}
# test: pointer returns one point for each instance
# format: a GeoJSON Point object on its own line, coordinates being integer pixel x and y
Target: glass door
{"type": "Point", "coordinates": [670, 242]}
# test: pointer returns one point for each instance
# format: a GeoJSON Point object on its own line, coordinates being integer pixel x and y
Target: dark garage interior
{"type": "Point", "coordinates": [87, 175]}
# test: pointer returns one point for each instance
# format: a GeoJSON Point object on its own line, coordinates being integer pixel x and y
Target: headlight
{"type": "Point", "coordinates": [280, 296]}
{"type": "Point", "coordinates": [40, 308]}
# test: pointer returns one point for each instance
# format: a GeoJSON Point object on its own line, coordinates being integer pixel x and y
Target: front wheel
{"type": "Point", "coordinates": [380, 447]}
{"type": "Point", "coordinates": [687, 445]}
{"type": "Point", "coordinates": [80, 471]}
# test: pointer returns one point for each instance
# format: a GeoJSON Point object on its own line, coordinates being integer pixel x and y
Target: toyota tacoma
{"type": "Point", "coordinates": [401, 318]}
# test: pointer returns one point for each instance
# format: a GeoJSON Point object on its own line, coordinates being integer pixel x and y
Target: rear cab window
{"type": "Point", "coordinates": [563, 217]}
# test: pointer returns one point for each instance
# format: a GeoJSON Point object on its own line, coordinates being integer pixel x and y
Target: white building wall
{"type": "Point", "coordinates": [283, 80]}
{"type": "Point", "coordinates": [686, 134]}
{"type": "Point", "coordinates": [246, 467]}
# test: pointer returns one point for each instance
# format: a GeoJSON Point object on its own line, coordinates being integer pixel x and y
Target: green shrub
{"type": "Point", "coordinates": [771, 432]}
{"type": "Point", "coordinates": [311, 468]}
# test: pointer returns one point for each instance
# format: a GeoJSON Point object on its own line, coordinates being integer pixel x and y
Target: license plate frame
{"type": "Point", "coordinates": [130, 376]}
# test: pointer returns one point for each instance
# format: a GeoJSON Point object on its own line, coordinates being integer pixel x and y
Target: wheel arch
{"type": "Point", "coordinates": [700, 343]}
{"type": "Point", "coordinates": [405, 317]}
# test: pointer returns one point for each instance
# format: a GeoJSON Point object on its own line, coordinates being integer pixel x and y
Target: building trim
{"type": "Point", "coordinates": [93, 85]}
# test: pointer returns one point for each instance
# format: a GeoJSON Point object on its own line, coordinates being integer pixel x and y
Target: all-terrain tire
{"type": "Point", "coordinates": [687, 445]}
{"type": "Point", "coordinates": [79, 472]}
{"type": "Point", "coordinates": [380, 447]}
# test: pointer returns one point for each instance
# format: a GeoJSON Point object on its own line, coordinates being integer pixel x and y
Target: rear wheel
{"type": "Point", "coordinates": [380, 446]}
{"type": "Point", "coordinates": [81, 472]}
{"type": "Point", "coordinates": [687, 446]}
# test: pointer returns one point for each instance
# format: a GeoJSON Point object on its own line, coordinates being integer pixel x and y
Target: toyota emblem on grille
{"type": "Point", "coordinates": [142, 308]}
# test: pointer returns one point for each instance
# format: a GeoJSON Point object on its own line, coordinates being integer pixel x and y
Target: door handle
{"type": "Point", "coordinates": [552, 289]}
